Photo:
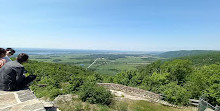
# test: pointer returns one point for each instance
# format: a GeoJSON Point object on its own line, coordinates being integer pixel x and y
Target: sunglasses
{"type": "Point", "coordinates": [11, 53]}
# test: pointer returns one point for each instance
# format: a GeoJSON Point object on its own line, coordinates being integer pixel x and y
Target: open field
{"type": "Point", "coordinates": [105, 63]}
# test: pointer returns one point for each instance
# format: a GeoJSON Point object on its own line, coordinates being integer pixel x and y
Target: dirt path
{"type": "Point", "coordinates": [92, 63]}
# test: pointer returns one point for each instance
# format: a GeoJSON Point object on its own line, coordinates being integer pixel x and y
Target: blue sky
{"type": "Point", "coordinates": [134, 25]}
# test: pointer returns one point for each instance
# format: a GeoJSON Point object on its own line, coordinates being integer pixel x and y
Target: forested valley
{"type": "Point", "coordinates": [176, 79]}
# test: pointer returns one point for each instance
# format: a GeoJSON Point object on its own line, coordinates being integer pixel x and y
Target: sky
{"type": "Point", "coordinates": [131, 25]}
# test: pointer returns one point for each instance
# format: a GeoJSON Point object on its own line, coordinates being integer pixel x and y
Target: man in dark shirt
{"type": "Point", "coordinates": [12, 74]}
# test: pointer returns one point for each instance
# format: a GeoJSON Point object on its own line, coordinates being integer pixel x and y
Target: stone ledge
{"type": "Point", "coordinates": [22, 100]}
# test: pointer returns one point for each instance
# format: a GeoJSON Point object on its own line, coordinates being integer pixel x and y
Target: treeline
{"type": "Point", "coordinates": [204, 59]}
{"type": "Point", "coordinates": [177, 80]}
{"type": "Point", "coordinates": [110, 56]}
{"type": "Point", "coordinates": [57, 79]}
{"type": "Point", "coordinates": [183, 53]}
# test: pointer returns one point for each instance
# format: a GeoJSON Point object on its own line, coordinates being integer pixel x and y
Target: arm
{"type": "Point", "coordinates": [19, 74]}
{"type": "Point", "coordinates": [2, 62]}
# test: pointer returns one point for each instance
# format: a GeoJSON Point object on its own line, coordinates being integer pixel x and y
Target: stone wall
{"type": "Point", "coordinates": [152, 97]}
{"type": "Point", "coordinates": [149, 96]}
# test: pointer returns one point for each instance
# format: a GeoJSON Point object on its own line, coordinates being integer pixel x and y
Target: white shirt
{"type": "Point", "coordinates": [7, 58]}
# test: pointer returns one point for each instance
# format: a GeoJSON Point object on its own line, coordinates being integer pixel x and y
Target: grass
{"type": "Point", "coordinates": [147, 106]}
{"type": "Point", "coordinates": [102, 66]}
{"type": "Point", "coordinates": [122, 105]}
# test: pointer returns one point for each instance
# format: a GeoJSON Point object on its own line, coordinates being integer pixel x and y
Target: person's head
{"type": "Point", "coordinates": [2, 52]}
{"type": "Point", "coordinates": [22, 57]}
{"type": "Point", "coordinates": [10, 51]}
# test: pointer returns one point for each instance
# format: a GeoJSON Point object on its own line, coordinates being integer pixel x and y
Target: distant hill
{"type": "Point", "coordinates": [204, 59]}
{"type": "Point", "coordinates": [182, 53]}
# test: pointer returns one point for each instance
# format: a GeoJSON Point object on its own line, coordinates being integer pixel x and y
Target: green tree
{"type": "Point", "coordinates": [205, 80]}
{"type": "Point", "coordinates": [124, 77]}
{"type": "Point", "coordinates": [178, 69]}
{"type": "Point", "coordinates": [156, 80]}
{"type": "Point", "coordinates": [175, 94]}
{"type": "Point", "coordinates": [151, 68]}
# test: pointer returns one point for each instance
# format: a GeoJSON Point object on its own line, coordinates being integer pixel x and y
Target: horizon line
{"type": "Point", "coordinates": [116, 50]}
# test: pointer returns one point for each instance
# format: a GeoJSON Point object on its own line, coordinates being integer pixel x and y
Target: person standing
{"type": "Point", "coordinates": [9, 52]}
{"type": "Point", "coordinates": [2, 55]}
{"type": "Point", "coordinates": [12, 74]}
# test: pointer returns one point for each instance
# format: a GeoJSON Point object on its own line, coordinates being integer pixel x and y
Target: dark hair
{"type": "Point", "coordinates": [22, 57]}
{"type": "Point", "coordinates": [10, 49]}
{"type": "Point", "coordinates": [2, 51]}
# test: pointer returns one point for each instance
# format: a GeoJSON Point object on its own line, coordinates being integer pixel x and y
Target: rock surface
{"type": "Point", "coordinates": [63, 98]}
{"type": "Point", "coordinates": [22, 100]}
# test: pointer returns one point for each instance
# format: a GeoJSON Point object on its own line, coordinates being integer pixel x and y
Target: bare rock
{"type": "Point", "coordinates": [63, 98]}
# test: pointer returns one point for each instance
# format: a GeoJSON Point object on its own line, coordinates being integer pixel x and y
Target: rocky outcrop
{"type": "Point", "coordinates": [64, 98]}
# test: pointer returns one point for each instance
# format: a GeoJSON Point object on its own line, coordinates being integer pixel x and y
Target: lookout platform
{"type": "Point", "coordinates": [22, 100]}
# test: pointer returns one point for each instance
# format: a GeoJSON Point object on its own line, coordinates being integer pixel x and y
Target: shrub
{"type": "Point", "coordinates": [74, 85]}
{"type": "Point", "coordinates": [95, 94]}
{"type": "Point", "coordinates": [175, 94]}
{"type": "Point", "coordinates": [48, 91]}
